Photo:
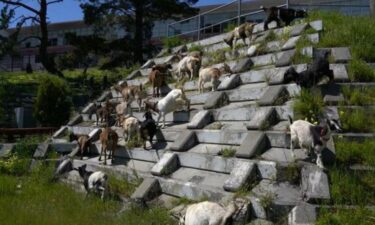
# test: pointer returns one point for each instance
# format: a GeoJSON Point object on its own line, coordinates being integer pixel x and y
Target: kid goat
{"type": "Point", "coordinates": [211, 74]}
{"type": "Point", "coordinates": [94, 182]}
{"type": "Point", "coordinates": [243, 31]}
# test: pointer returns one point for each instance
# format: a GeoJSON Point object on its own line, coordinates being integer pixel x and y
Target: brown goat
{"type": "Point", "coordinates": [84, 142]}
{"type": "Point", "coordinates": [156, 78]}
{"type": "Point", "coordinates": [108, 139]}
{"type": "Point", "coordinates": [103, 112]}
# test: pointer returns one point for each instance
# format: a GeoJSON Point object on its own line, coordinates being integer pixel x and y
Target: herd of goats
{"type": "Point", "coordinates": [310, 137]}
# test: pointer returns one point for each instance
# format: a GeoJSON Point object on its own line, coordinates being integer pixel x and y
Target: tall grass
{"type": "Point", "coordinates": [350, 152]}
{"type": "Point", "coordinates": [361, 72]}
{"type": "Point", "coordinates": [356, 216]}
{"type": "Point", "coordinates": [308, 106]}
{"type": "Point", "coordinates": [357, 120]}
{"type": "Point", "coordinates": [359, 97]}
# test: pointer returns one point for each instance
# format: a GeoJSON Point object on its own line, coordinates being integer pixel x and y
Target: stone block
{"type": "Point", "coordinates": [308, 51]}
{"type": "Point", "coordinates": [41, 150]}
{"type": "Point", "coordinates": [163, 52]}
{"type": "Point", "coordinates": [200, 120]}
{"type": "Point", "coordinates": [316, 25]}
{"type": "Point", "coordinates": [274, 46]}
{"type": "Point", "coordinates": [148, 64]}
{"type": "Point", "coordinates": [166, 165]}
{"type": "Point", "coordinates": [134, 74]}
{"type": "Point", "coordinates": [251, 50]}
{"type": "Point", "coordinates": [298, 29]}
{"type": "Point", "coordinates": [5, 150]}
{"type": "Point", "coordinates": [228, 137]}
{"type": "Point", "coordinates": [216, 100]}
{"type": "Point", "coordinates": [273, 96]}
{"type": "Point", "coordinates": [267, 169]}
{"type": "Point", "coordinates": [285, 59]}
{"type": "Point", "coordinates": [242, 65]}
{"type": "Point", "coordinates": [282, 193]}
{"type": "Point", "coordinates": [242, 173]}
{"type": "Point", "coordinates": [302, 214]}
{"type": "Point", "coordinates": [341, 55]}
{"type": "Point", "coordinates": [206, 162]}
{"type": "Point", "coordinates": [229, 82]}
{"type": "Point", "coordinates": [148, 190]}
{"type": "Point", "coordinates": [75, 120]}
{"type": "Point", "coordinates": [314, 38]}
{"type": "Point", "coordinates": [284, 155]}
{"type": "Point", "coordinates": [258, 210]}
{"type": "Point", "coordinates": [339, 72]}
{"type": "Point", "coordinates": [291, 43]}
{"type": "Point", "coordinates": [253, 144]}
{"type": "Point", "coordinates": [89, 108]}
{"type": "Point", "coordinates": [333, 99]}
{"type": "Point", "coordinates": [179, 49]}
{"type": "Point", "coordinates": [60, 132]}
{"type": "Point", "coordinates": [262, 119]}
{"type": "Point", "coordinates": [186, 140]}
{"type": "Point", "coordinates": [315, 185]}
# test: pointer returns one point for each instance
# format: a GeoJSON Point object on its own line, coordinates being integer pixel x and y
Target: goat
{"type": "Point", "coordinates": [148, 128]}
{"type": "Point", "coordinates": [211, 74]}
{"type": "Point", "coordinates": [208, 213]}
{"type": "Point", "coordinates": [174, 100]}
{"type": "Point", "coordinates": [188, 64]}
{"type": "Point", "coordinates": [64, 165]}
{"type": "Point", "coordinates": [121, 110]}
{"type": "Point", "coordinates": [156, 78]}
{"type": "Point", "coordinates": [131, 126]}
{"type": "Point", "coordinates": [310, 137]}
{"type": "Point", "coordinates": [312, 75]}
{"type": "Point", "coordinates": [243, 31]}
{"type": "Point", "coordinates": [96, 182]}
{"type": "Point", "coordinates": [108, 139]}
{"type": "Point", "coordinates": [103, 112]}
{"type": "Point", "coordinates": [131, 93]}
{"type": "Point", "coordinates": [84, 143]}
{"type": "Point", "coordinates": [280, 14]}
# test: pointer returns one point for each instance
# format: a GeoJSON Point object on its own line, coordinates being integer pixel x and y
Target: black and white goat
{"type": "Point", "coordinates": [313, 74]}
{"type": "Point", "coordinates": [148, 128]}
{"type": "Point", "coordinates": [281, 14]}
{"type": "Point", "coordinates": [311, 137]}
{"type": "Point", "coordinates": [94, 182]}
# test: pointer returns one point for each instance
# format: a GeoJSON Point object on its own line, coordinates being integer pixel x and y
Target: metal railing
{"type": "Point", "coordinates": [199, 28]}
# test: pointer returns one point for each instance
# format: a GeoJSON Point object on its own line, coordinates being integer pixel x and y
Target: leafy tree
{"type": "Point", "coordinates": [52, 105]}
{"type": "Point", "coordinates": [134, 16]}
{"type": "Point", "coordinates": [37, 16]}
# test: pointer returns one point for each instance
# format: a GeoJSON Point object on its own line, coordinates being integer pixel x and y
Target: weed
{"type": "Point", "coordinates": [217, 56]}
{"type": "Point", "coordinates": [351, 152]}
{"type": "Point", "coordinates": [357, 120]}
{"type": "Point", "coordinates": [230, 27]}
{"type": "Point", "coordinates": [298, 57]}
{"type": "Point", "coordinates": [134, 142]}
{"type": "Point", "coordinates": [308, 106]}
{"type": "Point", "coordinates": [358, 97]}
{"type": "Point", "coordinates": [123, 186]}
{"type": "Point", "coordinates": [198, 48]}
{"type": "Point", "coordinates": [360, 71]}
{"type": "Point", "coordinates": [227, 152]}
{"type": "Point", "coordinates": [292, 173]}
{"type": "Point", "coordinates": [267, 199]}
{"type": "Point", "coordinates": [336, 216]}
{"type": "Point", "coordinates": [171, 42]}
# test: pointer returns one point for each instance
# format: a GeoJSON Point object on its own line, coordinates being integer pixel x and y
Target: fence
{"type": "Point", "coordinates": [215, 21]}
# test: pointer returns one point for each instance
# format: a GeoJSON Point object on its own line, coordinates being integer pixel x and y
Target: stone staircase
{"type": "Point", "coordinates": [247, 115]}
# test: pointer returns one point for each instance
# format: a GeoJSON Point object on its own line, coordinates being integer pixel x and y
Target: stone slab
{"type": "Point", "coordinates": [285, 59]}
{"type": "Point", "coordinates": [89, 108]}
{"type": "Point", "coordinates": [315, 185]}
{"type": "Point", "coordinates": [316, 25]}
{"type": "Point", "coordinates": [258, 211]}
{"type": "Point", "coordinates": [267, 169]}
{"type": "Point", "coordinates": [206, 162]}
{"type": "Point", "coordinates": [333, 99]}
{"type": "Point", "coordinates": [148, 190]}
{"type": "Point", "coordinates": [242, 173]}
{"type": "Point", "coordinates": [229, 82]}
{"type": "Point", "coordinates": [134, 74]}
{"type": "Point", "coordinates": [302, 214]}
{"type": "Point", "coordinates": [104, 96]}
{"type": "Point", "coordinates": [341, 55]}
{"type": "Point", "coordinates": [262, 119]}
{"type": "Point", "coordinates": [308, 51]}
{"type": "Point", "coordinates": [235, 114]}
{"type": "Point", "coordinates": [209, 41]}
{"type": "Point", "coordinates": [184, 141]}
{"type": "Point", "coordinates": [231, 137]}
{"type": "Point", "coordinates": [200, 120]}
{"type": "Point", "coordinates": [253, 144]}
{"type": "Point", "coordinates": [246, 94]}
{"type": "Point", "coordinates": [282, 193]}
{"type": "Point", "coordinates": [242, 65]}
{"type": "Point", "coordinates": [166, 165]}
{"type": "Point", "coordinates": [272, 94]}
{"type": "Point", "coordinates": [216, 100]}
{"type": "Point", "coordinates": [340, 72]}
{"type": "Point", "coordinates": [298, 29]}
{"type": "Point", "coordinates": [6, 150]}
{"type": "Point", "coordinates": [41, 150]}
{"type": "Point", "coordinates": [284, 155]}
{"type": "Point", "coordinates": [60, 132]}
{"type": "Point", "coordinates": [291, 43]}
{"type": "Point", "coordinates": [314, 38]}
{"type": "Point", "coordinates": [75, 120]}
{"type": "Point", "coordinates": [179, 49]}
{"type": "Point", "coordinates": [260, 222]}
{"type": "Point", "coordinates": [148, 64]}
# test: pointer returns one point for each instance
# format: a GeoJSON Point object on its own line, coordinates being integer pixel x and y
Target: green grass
{"type": "Point", "coordinates": [298, 57]}
{"type": "Point", "coordinates": [358, 97]}
{"type": "Point", "coordinates": [358, 32]}
{"type": "Point", "coordinates": [357, 120]}
{"type": "Point", "coordinates": [198, 48]}
{"type": "Point", "coordinates": [351, 187]}
{"type": "Point", "coordinates": [122, 186]}
{"type": "Point", "coordinates": [351, 152]}
{"type": "Point", "coordinates": [230, 27]}
{"type": "Point", "coordinates": [308, 106]}
{"type": "Point", "coordinates": [356, 216]}
{"type": "Point", "coordinates": [227, 152]}
{"type": "Point", "coordinates": [171, 42]}
{"type": "Point", "coordinates": [360, 71]}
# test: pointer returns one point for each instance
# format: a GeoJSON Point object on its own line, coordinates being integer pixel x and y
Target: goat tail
{"type": "Point", "coordinates": [290, 119]}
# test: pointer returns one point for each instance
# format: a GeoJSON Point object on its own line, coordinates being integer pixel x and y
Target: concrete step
{"type": "Point", "coordinates": [210, 149]}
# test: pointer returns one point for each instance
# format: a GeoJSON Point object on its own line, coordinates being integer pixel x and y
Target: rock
{"type": "Point", "coordinates": [186, 140]}
{"type": "Point", "coordinates": [307, 51]}
{"type": "Point", "coordinates": [302, 214]}
{"type": "Point", "coordinates": [200, 120]}
{"type": "Point", "coordinates": [267, 169]}
{"type": "Point", "coordinates": [242, 173]}
{"type": "Point", "coordinates": [315, 185]}
{"type": "Point", "coordinates": [166, 165]}
{"type": "Point", "coordinates": [216, 100]}
{"type": "Point", "coordinates": [251, 51]}
{"type": "Point", "coordinates": [5, 150]}
{"type": "Point", "coordinates": [244, 211]}
{"type": "Point", "coordinates": [253, 144]}
{"type": "Point", "coordinates": [229, 82]}
{"type": "Point", "coordinates": [242, 65]}
{"type": "Point", "coordinates": [258, 211]}
{"type": "Point", "coordinates": [339, 72]}
{"type": "Point", "coordinates": [341, 55]}
{"type": "Point", "coordinates": [314, 38]}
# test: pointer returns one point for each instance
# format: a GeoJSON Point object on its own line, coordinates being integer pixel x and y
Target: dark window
{"type": "Point", "coordinates": [52, 42]}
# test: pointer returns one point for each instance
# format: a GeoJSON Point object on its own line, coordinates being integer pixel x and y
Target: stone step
{"type": "Point", "coordinates": [211, 149]}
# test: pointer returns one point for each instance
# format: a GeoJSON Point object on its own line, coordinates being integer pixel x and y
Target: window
{"type": "Point", "coordinates": [37, 59]}
{"type": "Point", "coordinates": [27, 45]}
{"type": "Point", "coordinates": [52, 42]}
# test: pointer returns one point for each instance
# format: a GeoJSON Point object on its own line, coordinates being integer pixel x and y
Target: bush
{"type": "Point", "coordinates": [171, 42]}
{"type": "Point", "coordinates": [308, 106]}
{"type": "Point", "coordinates": [198, 48]}
{"type": "Point", "coordinates": [360, 71]}
{"type": "Point", "coordinates": [52, 106]}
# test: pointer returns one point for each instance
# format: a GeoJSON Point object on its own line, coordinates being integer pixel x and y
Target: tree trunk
{"type": "Point", "coordinates": [138, 42]}
{"type": "Point", "coordinates": [44, 58]}
{"type": "Point", "coordinates": [372, 8]}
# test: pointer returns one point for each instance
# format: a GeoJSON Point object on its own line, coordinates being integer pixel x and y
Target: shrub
{"type": "Point", "coordinates": [350, 152]}
{"type": "Point", "coordinates": [52, 105]}
{"type": "Point", "coordinates": [198, 48]}
{"type": "Point", "coordinates": [308, 106]}
{"type": "Point", "coordinates": [357, 120]}
{"type": "Point", "coordinates": [14, 165]}
{"type": "Point", "coordinates": [171, 42]}
{"type": "Point", "coordinates": [360, 71]}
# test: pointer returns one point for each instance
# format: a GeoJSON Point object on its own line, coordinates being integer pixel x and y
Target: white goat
{"type": "Point", "coordinates": [131, 126]}
{"type": "Point", "coordinates": [174, 100]}
{"type": "Point", "coordinates": [309, 137]}
{"type": "Point", "coordinates": [122, 109]}
{"type": "Point", "coordinates": [96, 182]}
{"type": "Point", "coordinates": [189, 64]}
{"type": "Point", "coordinates": [211, 74]}
{"type": "Point", "coordinates": [208, 213]}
